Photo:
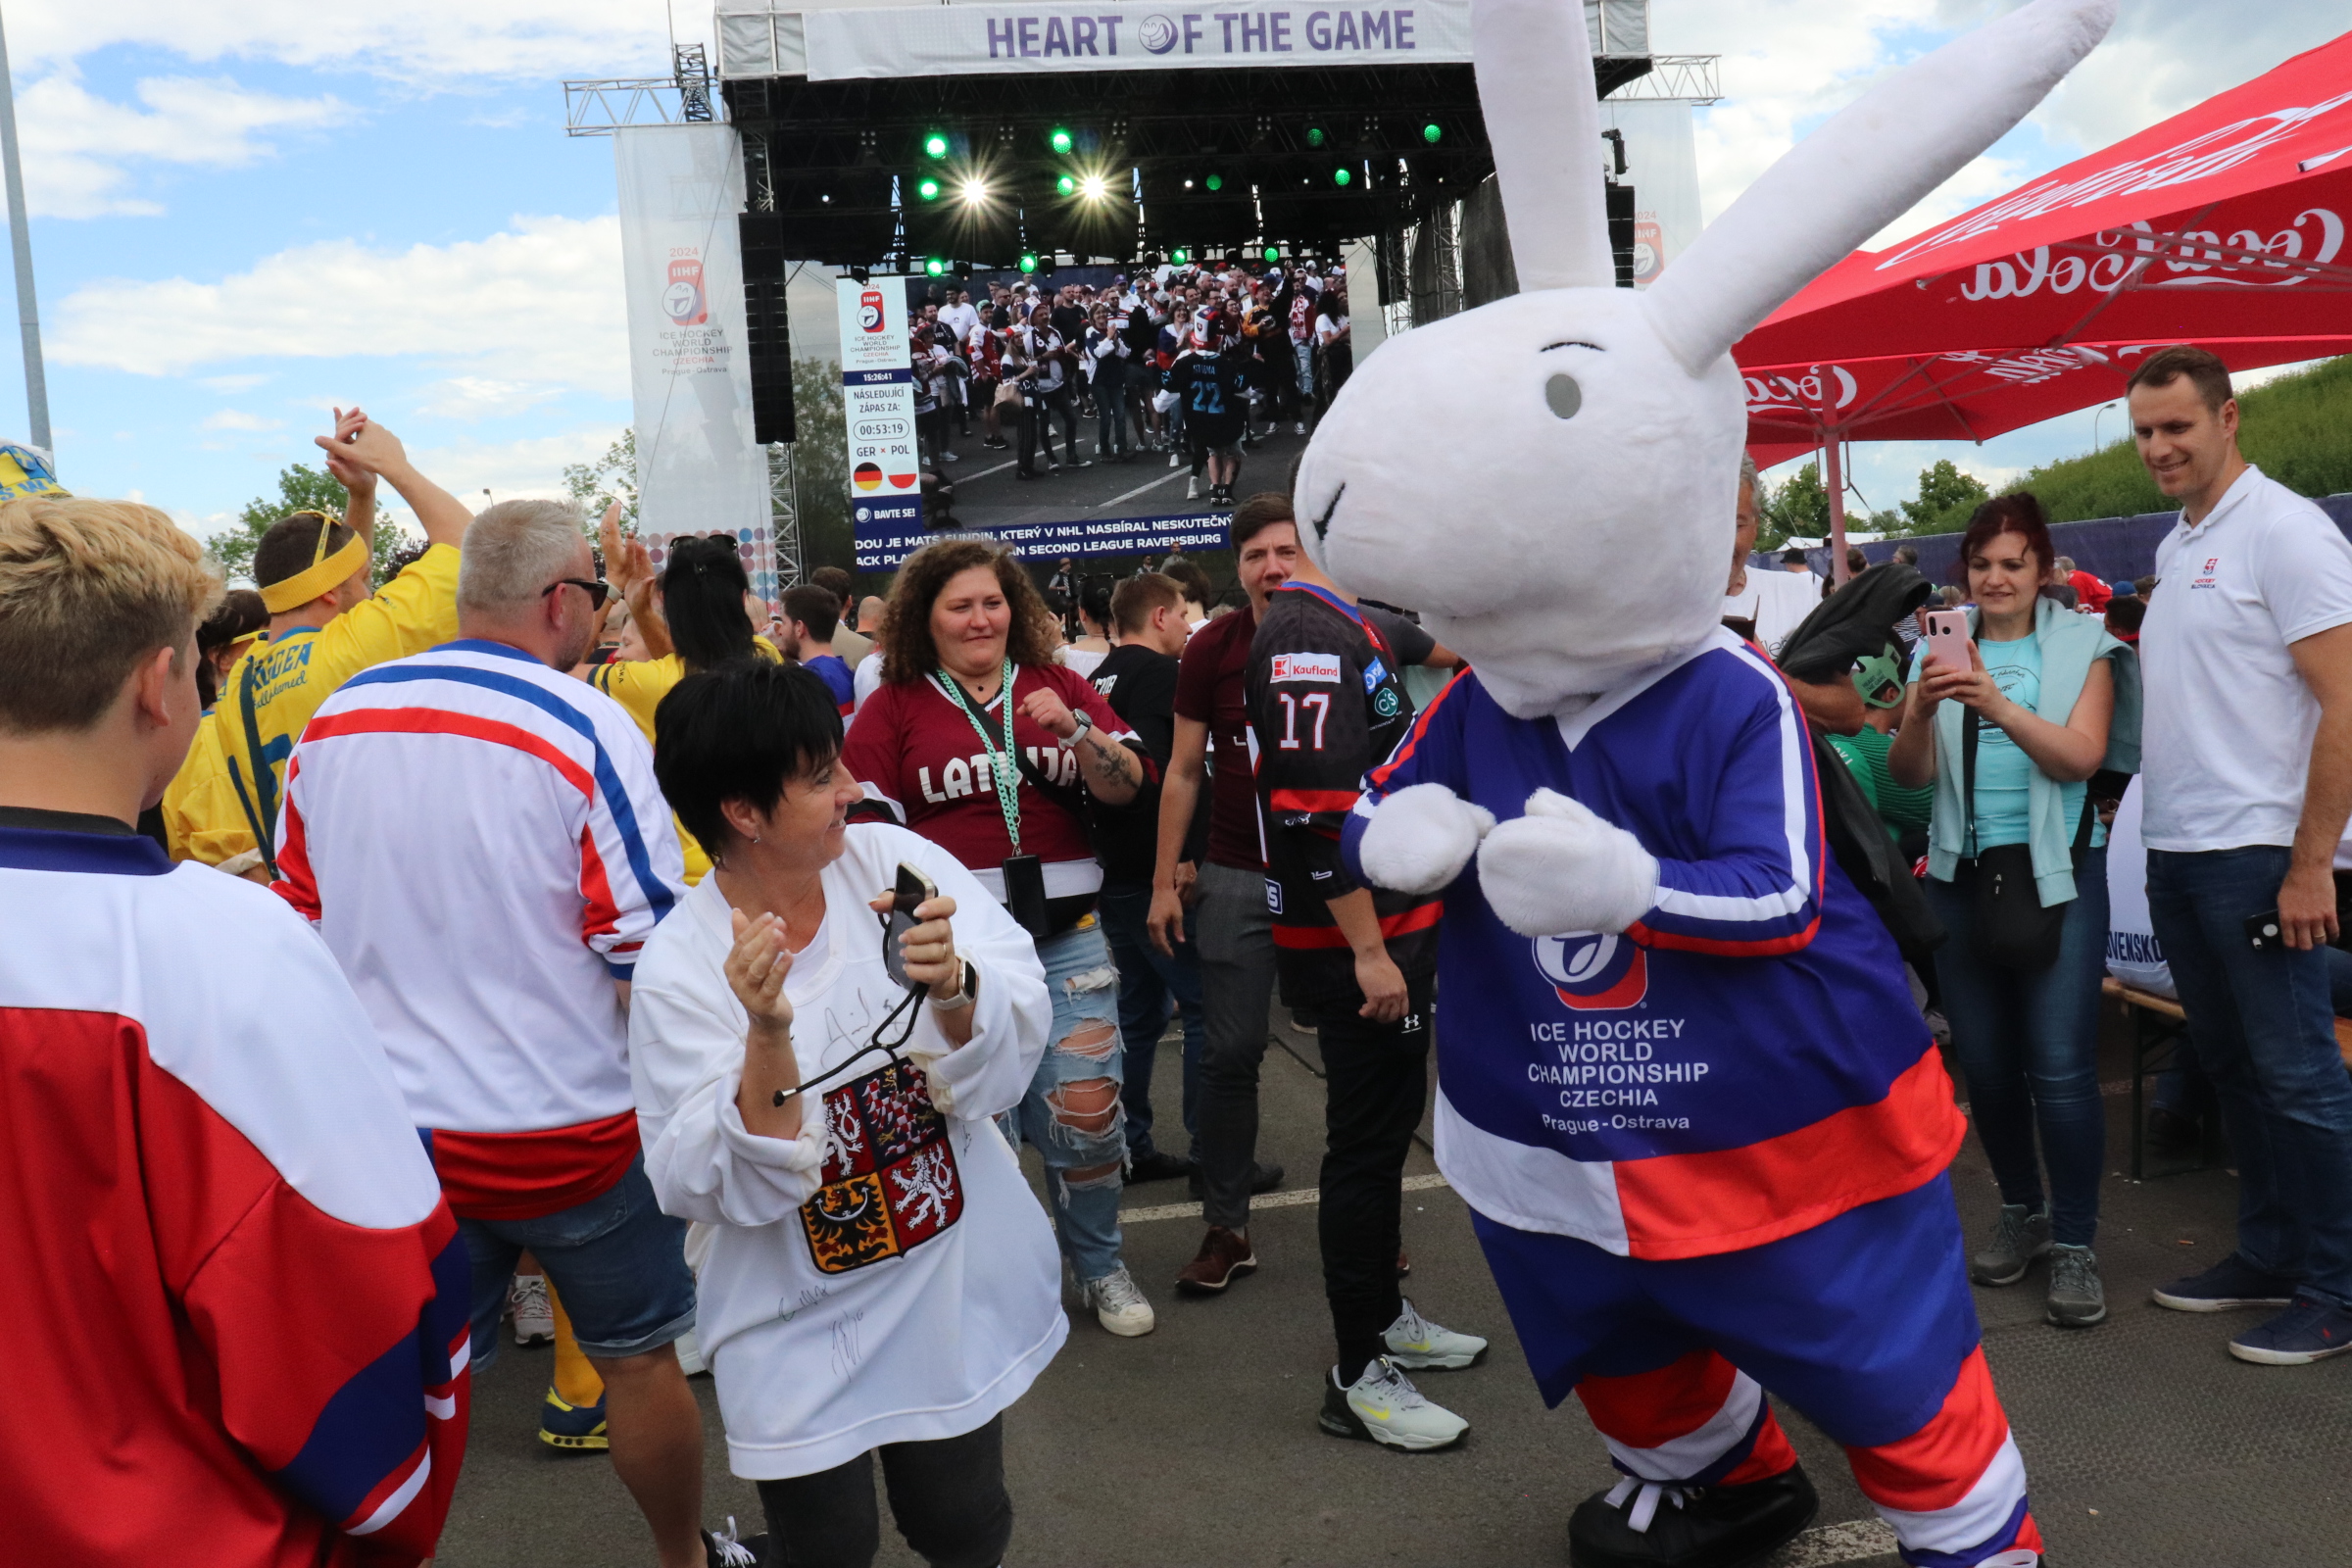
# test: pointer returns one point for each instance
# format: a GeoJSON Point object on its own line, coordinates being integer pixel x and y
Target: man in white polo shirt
{"type": "Point", "coordinates": [2246, 655]}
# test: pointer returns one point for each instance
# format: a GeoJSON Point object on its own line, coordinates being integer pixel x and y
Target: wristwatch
{"type": "Point", "coordinates": [1086, 722]}
{"type": "Point", "coordinates": [966, 983]}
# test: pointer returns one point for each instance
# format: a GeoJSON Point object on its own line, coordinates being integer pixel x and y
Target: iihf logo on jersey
{"type": "Point", "coordinates": [1593, 971]}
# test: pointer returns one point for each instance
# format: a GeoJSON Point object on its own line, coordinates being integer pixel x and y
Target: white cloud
{"type": "Point", "coordinates": [81, 149]}
{"type": "Point", "coordinates": [476, 397]}
{"type": "Point", "coordinates": [421, 40]}
{"type": "Point", "coordinates": [234, 419]}
{"type": "Point", "coordinates": [1788, 63]}
{"type": "Point", "coordinates": [231, 383]}
{"type": "Point", "coordinates": [539, 302]}
{"type": "Point", "coordinates": [532, 466]}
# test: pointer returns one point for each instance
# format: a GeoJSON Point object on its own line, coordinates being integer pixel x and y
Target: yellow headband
{"type": "Point", "coordinates": [318, 577]}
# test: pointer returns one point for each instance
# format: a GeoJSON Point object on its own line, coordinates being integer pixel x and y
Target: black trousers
{"type": "Point", "coordinates": [1374, 1083]}
{"type": "Point", "coordinates": [948, 1497]}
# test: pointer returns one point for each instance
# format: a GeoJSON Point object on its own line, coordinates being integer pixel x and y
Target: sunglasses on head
{"type": "Point", "coordinates": [595, 590]}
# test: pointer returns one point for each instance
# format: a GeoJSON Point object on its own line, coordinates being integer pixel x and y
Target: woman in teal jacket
{"type": "Point", "coordinates": [2055, 700]}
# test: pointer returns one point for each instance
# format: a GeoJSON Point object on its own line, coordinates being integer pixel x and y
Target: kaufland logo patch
{"type": "Point", "coordinates": [1593, 971]}
{"type": "Point", "coordinates": [1306, 667]}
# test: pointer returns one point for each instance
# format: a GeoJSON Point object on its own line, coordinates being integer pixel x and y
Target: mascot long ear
{"type": "Point", "coordinates": [1860, 171]}
{"type": "Point", "coordinates": [1535, 89]}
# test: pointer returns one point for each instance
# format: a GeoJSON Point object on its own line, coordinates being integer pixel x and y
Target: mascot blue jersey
{"type": "Point", "coordinates": [1745, 1060]}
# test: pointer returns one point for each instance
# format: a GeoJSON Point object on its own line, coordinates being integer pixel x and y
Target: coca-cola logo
{"type": "Point", "coordinates": [1829, 389]}
{"type": "Point", "coordinates": [2199, 257]}
{"type": "Point", "coordinates": [2184, 163]}
{"type": "Point", "coordinates": [1822, 389]}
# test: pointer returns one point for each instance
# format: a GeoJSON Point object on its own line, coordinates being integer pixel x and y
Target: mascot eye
{"type": "Point", "coordinates": [1563, 396]}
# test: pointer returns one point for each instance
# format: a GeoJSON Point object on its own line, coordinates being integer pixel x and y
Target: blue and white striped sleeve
{"type": "Point", "coordinates": [632, 870]}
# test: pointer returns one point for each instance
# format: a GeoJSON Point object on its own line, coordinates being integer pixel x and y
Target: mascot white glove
{"type": "Point", "coordinates": [1420, 838]}
{"type": "Point", "coordinates": [1560, 868]}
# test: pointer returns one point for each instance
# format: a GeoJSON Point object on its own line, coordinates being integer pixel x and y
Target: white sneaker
{"type": "Point", "coordinates": [1383, 1406]}
{"type": "Point", "coordinates": [949, 457]}
{"type": "Point", "coordinates": [689, 1353]}
{"type": "Point", "coordinates": [1118, 1304]}
{"type": "Point", "coordinates": [534, 1314]}
{"type": "Point", "coordinates": [1301, 428]}
{"type": "Point", "coordinates": [1175, 459]}
{"type": "Point", "coordinates": [1192, 488]}
{"type": "Point", "coordinates": [1414, 1342]}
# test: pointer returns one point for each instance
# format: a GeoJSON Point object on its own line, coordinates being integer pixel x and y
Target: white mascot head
{"type": "Point", "coordinates": [1549, 479]}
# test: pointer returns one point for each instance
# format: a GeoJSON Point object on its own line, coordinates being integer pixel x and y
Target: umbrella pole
{"type": "Point", "coordinates": [1834, 477]}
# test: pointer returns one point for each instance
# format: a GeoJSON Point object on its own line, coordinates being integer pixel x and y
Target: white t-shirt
{"type": "Point", "coordinates": [2226, 735]}
{"type": "Point", "coordinates": [1778, 602]}
{"type": "Point", "coordinates": [962, 317]}
{"type": "Point", "coordinates": [865, 681]}
{"type": "Point", "coordinates": [1084, 660]}
{"type": "Point", "coordinates": [887, 1275]}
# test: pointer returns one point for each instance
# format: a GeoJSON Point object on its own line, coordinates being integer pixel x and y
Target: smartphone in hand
{"type": "Point", "coordinates": [913, 890]}
{"type": "Point", "coordinates": [1947, 638]}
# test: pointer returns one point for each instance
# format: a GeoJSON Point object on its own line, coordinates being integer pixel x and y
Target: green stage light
{"type": "Point", "coordinates": [1341, 176]}
{"type": "Point", "coordinates": [1273, 253]}
{"type": "Point", "coordinates": [1433, 133]}
{"type": "Point", "coordinates": [1215, 182]}
{"type": "Point", "coordinates": [1066, 185]}
{"type": "Point", "coordinates": [928, 190]}
{"type": "Point", "coordinates": [1314, 135]}
{"type": "Point", "coordinates": [1028, 260]}
{"type": "Point", "coordinates": [1060, 140]}
{"type": "Point", "coordinates": [1181, 257]}
{"type": "Point", "coordinates": [936, 267]}
{"type": "Point", "coordinates": [934, 146]}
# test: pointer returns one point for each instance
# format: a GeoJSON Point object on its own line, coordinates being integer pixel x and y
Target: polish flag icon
{"type": "Point", "coordinates": [902, 482]}
{"type": "Point", "coordinates": [868, 477]}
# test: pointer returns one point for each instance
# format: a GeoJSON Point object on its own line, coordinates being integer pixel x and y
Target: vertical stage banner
{"type": "Point", "coordinates": [699, 469]}
{"type": "Point", "coordinates": [877, 406]}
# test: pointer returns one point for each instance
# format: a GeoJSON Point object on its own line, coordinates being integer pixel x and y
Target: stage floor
{"type": "Point", "coordinates": [2146, 1442]}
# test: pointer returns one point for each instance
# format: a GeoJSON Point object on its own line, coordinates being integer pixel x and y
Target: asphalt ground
{"type": "Point", "coordinates": [2146, 1442]}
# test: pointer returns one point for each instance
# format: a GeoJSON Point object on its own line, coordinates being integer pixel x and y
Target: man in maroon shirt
{"type": "Point", "coordinates": [1234, 927]}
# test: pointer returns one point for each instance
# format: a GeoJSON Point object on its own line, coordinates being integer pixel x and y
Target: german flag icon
{"type": "Point", "coordinates": [868, 477]}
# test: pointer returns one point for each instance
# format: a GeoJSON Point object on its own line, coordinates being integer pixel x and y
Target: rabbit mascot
{"type": "Point", "coordinates": [1682, 1083]}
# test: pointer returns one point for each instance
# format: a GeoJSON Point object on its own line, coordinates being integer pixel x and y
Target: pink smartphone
{"type": "Point", "coordinates": [1947, 638]}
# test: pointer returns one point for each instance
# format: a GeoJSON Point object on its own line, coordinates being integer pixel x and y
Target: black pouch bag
{"type": "Point", "coordinates": [2008, 925]}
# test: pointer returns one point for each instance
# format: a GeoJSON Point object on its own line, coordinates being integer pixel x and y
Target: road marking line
{"type": "Point", "coordinates": [1173, 473]}
{"type": "Point", "coordinates": [1854, 1541]}
{"type": "Point", "coordinates": [1290, 1200]}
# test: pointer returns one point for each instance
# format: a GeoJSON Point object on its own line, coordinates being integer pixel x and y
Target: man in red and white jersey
{"type": "Point", "coordinates": [244, 1298]}
{"type": "Point", "coordinates": [480, 840]}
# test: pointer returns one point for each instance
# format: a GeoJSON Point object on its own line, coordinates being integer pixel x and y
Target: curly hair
{"type": "Point", "coordinates": [907, 652]}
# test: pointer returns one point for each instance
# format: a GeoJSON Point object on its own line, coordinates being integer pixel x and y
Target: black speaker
{"type": "Point", "coordinates": [1621, 230]}
{"type": "Point", "coordinates": [766, 329]}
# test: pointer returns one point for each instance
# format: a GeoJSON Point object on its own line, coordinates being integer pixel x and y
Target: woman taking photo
{"type": "Point", "coordinates": [2017, 868]}
{"type": "Point", "coordinates": [982, 744]}
{"type": "Point", "coordinates": [880, 1280]}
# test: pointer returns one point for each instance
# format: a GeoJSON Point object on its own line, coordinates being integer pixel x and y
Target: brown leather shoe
{"type": "Point", "coordinates": [1405, 1263]}
{"type": "Point", "coordinates": [1224, 1257]}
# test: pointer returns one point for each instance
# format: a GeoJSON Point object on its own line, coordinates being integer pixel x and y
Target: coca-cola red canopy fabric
{"type": "Point", "coordinates": [2226, 227]}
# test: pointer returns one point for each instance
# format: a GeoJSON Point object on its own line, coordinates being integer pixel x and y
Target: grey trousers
{"type": "Point", "coordinates": [1236, 937]}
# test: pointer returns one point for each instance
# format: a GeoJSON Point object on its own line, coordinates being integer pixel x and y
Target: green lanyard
{"type": "Point", "coordinates": [1003, 771]}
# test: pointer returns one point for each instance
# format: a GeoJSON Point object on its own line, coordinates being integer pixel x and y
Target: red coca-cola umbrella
{"type": "Point", "coordinates": [2226, 227]}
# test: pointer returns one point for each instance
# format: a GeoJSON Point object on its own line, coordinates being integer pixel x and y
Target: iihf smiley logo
{"type": "Point", "coordinates": [1593, 971]}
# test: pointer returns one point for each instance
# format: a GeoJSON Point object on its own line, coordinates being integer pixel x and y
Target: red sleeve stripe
{"type": "Point", "coordinates": [435, 721]}
{"type": "Point", "coordinates": [1397, 759]}
{"type": "Point", "coordinates": [1314, 799]}
{"type": "Point", "coordinates": [1420, 917]}
{"type": "Point", "coordinates": [600, 913]}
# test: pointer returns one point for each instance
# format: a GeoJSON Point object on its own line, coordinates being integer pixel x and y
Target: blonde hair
{"type": "Point", "coordinates": [88, 589]}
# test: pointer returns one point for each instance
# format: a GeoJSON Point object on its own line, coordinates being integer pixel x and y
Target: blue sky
{"type": "Point", "coordinates": [245, 214]}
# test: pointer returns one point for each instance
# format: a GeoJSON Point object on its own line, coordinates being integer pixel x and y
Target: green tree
{"type": "Point", "coordinates": [820, 467]}
{"type": "Point", "coordinates": [1946, 497]}
{"type": "Point", "coordinates": [303, 488]}
{"type": "Point", "coordinates": [594, 486]}
{"type": "Point", "coordinates": [1797, 508]}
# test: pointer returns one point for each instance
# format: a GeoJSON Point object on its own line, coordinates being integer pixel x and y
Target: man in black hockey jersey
{"type": "Point", "coordinates": [1326, 704]}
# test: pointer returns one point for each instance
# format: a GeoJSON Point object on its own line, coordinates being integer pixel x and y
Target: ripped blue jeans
{"type": "Point", "coordinates": [1071, 1113]}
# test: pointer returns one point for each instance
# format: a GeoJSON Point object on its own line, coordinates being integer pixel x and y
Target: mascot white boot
{"type": "Point", "coordinates": [1682, 1084]}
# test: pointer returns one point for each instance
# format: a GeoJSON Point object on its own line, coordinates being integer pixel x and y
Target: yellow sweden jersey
{"type": "Point", "coordinates": [279, 684]}
{"type": "Point", "coordinates": [639, 685]}
{"type": "Point", "coordinates": [201, 815]}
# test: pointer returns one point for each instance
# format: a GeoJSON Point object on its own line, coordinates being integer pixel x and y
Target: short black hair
{"type": "Point", "coordinates": [816, 606]}
{"type": "Point", "coordinates": [740, 732]}
{"type": "Point", "coordinates": [2204, 370]}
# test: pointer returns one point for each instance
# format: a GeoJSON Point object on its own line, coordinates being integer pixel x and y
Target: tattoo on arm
{"type": "Point", "coordinates": [1112, 764]}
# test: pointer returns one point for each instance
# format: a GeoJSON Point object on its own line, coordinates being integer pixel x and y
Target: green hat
{"type": "Point", "coordinates": [1876, 674]}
